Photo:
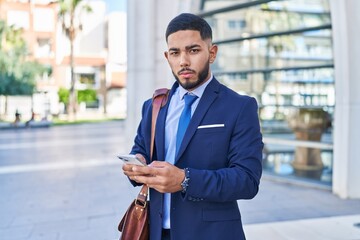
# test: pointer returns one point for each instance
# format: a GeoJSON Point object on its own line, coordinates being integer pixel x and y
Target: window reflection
{"type": "Point", "coordinates": [280, 52]}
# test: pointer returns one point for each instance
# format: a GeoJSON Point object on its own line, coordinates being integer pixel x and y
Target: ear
{"type": "Point", "coordinates": [213, 52]}
{"type": "Point", "coordinates": [166, 55]}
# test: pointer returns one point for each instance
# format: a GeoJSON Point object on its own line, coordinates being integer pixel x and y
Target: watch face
{"type": "Point", "coordinates": [185, 183]}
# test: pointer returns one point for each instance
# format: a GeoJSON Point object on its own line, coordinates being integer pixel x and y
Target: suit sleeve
{"type": "Point", "coordinates": [240, 180]}
{"type": "Point", "coordinates": [141, 141]}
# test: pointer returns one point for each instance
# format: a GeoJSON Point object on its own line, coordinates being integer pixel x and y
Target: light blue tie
{"type": "Point", "coordinates": [184, 119]}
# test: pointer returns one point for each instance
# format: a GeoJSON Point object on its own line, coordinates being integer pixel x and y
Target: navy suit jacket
{"type": "Point", "coordinates": [224, 161]}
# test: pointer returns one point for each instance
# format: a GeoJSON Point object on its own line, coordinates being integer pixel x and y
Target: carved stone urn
{"type": "Point", "coordinates": [308, 124]}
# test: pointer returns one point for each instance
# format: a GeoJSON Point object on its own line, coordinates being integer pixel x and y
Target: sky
{"type": "Point", "coordinates": [116, 5]}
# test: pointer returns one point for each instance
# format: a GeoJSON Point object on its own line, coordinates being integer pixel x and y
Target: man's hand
{"type": "Point", "coordinates": [128, 168]}
{"type": "Point", "coordinates": [162, 176]}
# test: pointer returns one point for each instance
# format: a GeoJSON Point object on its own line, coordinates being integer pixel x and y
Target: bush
{"type": "Point", "coordinates": [64, 95]}
{"type": "Point", "coordinates": [87, 95]}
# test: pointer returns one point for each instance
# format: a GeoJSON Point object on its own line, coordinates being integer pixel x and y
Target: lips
{"type": "Point", "coordinates": [186, 73]}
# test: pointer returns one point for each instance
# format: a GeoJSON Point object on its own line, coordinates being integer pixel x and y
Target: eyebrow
{"type": "Point", "coordinates": [187, 47]}
{"type": "Point", "coordinates": [192, 46]}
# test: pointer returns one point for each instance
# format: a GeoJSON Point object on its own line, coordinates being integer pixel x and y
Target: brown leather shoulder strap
{"type": "Point", "coordinates": [163, 93]}
{"type": "Point", "coordinates": [160, 98]}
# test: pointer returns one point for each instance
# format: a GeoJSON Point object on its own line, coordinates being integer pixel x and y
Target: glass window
{"type": "Point", "coordinates": [19, 19]}
{"type": "Point", "coordinates": [87, 79]}
{"type": "Point", "coordinates": [275, 52]}
{"type": "Point", "coordinates": [44, 20]}
{"type": "Point", "coordinates": [280, 52]}
{"type": "Point", "coordinates": [43, 48]}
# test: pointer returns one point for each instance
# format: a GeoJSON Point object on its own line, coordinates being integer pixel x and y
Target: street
{"type": "Point", "coordinates": [66, 183]}
{"type": "Point", "coordinates": [63, 182]}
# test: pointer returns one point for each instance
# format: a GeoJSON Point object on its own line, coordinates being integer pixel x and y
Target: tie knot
{"type": "Point", "coordinates": [189, 99]}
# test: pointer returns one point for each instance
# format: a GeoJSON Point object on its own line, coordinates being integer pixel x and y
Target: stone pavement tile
{"type": "Point", "coordinates": [282, 201]}
{"type": "Point", "coordinates": [90, 234]}
{"type": "Point", "coordinates": [68, 225]}
{"type": "Point", "coordinates": [342, 227]}
{"type": "Point", "coordinates": [261, 232]}
{"type": "Point", "coordinates": [89, 212]}
{"type": "Point", "coordinates": [276, 214]}
{"type": "Point", "coordinates": [16, 233]}
{"type": "Point", "coordinates": [332, 228]}
{"type": "Point", "coordinates": [5, 219]}
{"type": "Point", "coordinates": [104, 222]}
{"type": "Point", "coordinates": [37, 218]}
{"type": "Point", "coordinates": [44, 236]}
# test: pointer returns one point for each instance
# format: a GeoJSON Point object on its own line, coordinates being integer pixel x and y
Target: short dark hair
{"type": "Point", "coordinates": [188, 21]}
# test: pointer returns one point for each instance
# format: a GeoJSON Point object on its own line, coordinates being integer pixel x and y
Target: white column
{"type": "Point", "coordinates": [346, 36]}
{"type": "Point", "coordinates": [140, 50]}
{"type": "Point", "coordinates": [147, 66]}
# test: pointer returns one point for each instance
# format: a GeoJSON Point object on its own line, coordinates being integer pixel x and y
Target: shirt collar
{"type": "Point", "coordinates": [197, 91]}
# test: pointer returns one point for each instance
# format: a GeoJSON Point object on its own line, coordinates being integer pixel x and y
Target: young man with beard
{"type": "Point", "coordinates": [202, 166]}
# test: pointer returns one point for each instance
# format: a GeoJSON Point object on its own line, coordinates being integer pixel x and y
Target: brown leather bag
{"type": "Point", "coordinates": [135, 223]}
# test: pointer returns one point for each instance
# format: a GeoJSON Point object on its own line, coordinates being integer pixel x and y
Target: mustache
{"type": "Point", "coordinates": [186, 70]}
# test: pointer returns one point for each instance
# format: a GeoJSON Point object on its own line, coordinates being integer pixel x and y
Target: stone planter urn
{"type": "Point", "coordinates": [308, 124]}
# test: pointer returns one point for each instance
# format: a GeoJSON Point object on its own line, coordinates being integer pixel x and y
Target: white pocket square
{"type": "Point", "coordinates": [211, 126]}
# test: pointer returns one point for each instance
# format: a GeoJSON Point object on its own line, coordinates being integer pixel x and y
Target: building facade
{"type": "Point", "coordinates": [297, 58]}
{"type": "Point", "coordinates": [100, 65]}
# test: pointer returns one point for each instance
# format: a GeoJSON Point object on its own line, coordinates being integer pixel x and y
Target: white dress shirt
{"type": "Point", "coordinates": [171, 125]}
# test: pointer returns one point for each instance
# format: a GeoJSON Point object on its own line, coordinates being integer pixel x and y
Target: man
{"type": "Point", "coordinates": [197, 175]}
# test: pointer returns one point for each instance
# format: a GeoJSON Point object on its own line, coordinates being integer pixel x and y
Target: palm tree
{"type": "Point", "coordinates": [70, 17]}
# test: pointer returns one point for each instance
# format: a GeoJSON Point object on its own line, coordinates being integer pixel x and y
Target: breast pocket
{"type": "Point", "coordinates": [211, 128]}
{"type": "Point", "coordinates": [209, 146]}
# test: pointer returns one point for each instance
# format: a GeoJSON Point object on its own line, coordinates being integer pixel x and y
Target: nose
{"type": "Point", "coordinates": [184, 60]}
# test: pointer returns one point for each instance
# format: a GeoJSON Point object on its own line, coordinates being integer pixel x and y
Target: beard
{"type": "Point", "coordinates": [188, 85]}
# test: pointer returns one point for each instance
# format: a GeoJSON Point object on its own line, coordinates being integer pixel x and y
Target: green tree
{"type": "Point", "coordinates": [70, 17]}
{"type": "Point", "coordinates": [17, 75]}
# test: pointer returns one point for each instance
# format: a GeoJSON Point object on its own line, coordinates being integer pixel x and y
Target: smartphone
{"type": "Point", "coordinates": [131, 159]}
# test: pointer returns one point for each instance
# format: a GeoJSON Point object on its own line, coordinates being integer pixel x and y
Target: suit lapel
{"type": "Point", "coordinates": [208, 97]}
{"type": "Point", "coordinates": [160, 127]}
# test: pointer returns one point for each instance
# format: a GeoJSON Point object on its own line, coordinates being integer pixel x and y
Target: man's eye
{"type": "Point", "coordinates": [194, 50]}
{"type": "Point", "coordinates": [174, 53]}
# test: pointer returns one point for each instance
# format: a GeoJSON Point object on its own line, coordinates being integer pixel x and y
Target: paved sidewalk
{"type": "Point", "coordinates": [65, 183]}
{"type": "Point", "coordinates": [339, 228]}
{"type": "Point", "coordinates": [284, 211]}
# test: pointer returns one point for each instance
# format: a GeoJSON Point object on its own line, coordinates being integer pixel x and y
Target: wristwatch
{"type": "Point", "coordinates": [185, 182]}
